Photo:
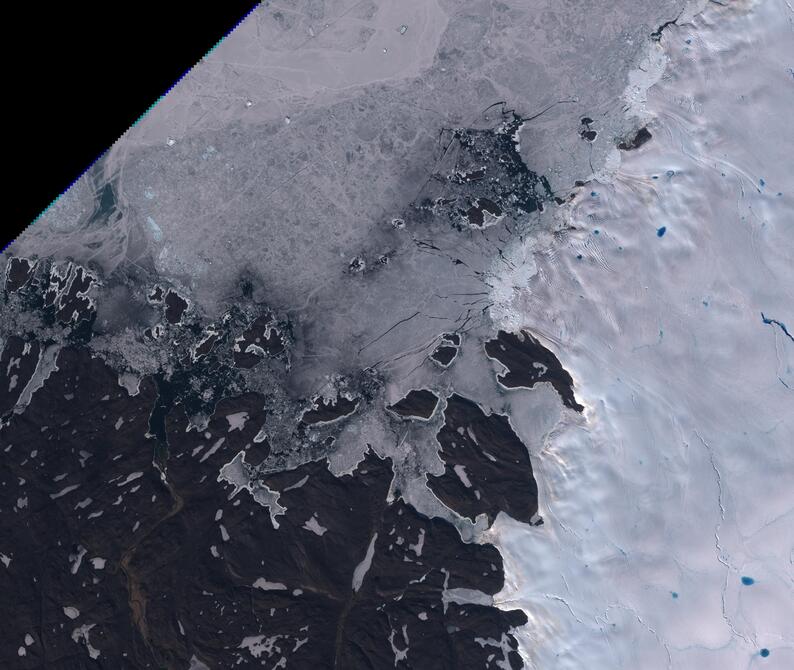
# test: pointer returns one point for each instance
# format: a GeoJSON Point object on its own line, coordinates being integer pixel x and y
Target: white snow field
{"type": "Point", "coordinates": [668, 539]}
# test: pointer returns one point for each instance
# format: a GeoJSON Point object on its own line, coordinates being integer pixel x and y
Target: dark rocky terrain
{"type": "Point", "coordinates": [135, 538]}
{"type": "Point", "coordinates": [528, 362]}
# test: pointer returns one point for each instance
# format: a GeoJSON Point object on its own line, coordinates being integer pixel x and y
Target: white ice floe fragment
{"type": "Point", "coordinates": [118, 423]}
{"type": "Point", "coordinates": [218, 515]}
{"type": "Point", "coordinates": [256, 350]}
{"type": "Point", "coordinates": [422, 616]}
{"type": "Point", "coordinates": [154, 229]}
{"type": "Point", "coordinates": [29, 639]}
{"type": "Point", "coordinates": [21, 651]}
{"type": "Point", "coordinates": [259, 644]}
{"type": "Point", "coordinates": [96, 515]}
{"type": "Point", "coordinates": [131, 382]}
{"type": "Point", "coordinates": [64, 491]}
{"type": "Point", "coordinates": [503, 643]}
{"type": "Point", "coordinates": [181, 627]}
{"type": "Point", "coordinates": [22, 503]}
{"type": "Point", "coordinates": [81, 633]}
{"type": "Point", "coordinates": [314, 526]}
{"type": "Point", "coordinates": [77, 559]}
{"type": "Point", "coordinates": [71, 612]}
{"type": "Point", "coordinates": [297, 484]}
{"type": "Point", "coordinates": [196, 664]}
{"type": "Point", "coordinates": [224, 533]}
{"type": "Point", "coordinates": [460, 471]}
{"type": "Point", "coordinates": [265, 585]}
{"type": "Point", "coordinates": [362, 568]}
{"type": "Point", "coordinates": [238, 473]}
{"type": "Point", "coordinates": [465, 597]}
{"type": "Point", "coordinates": [5, 560]}
{"type": "Point", "coordinates": [237, 420]}
{"type": "Point", "coordinates": [212, 449]}
{"type": "Point", "coordinates": [130, 478]}
{"type": "Point", "coordinates": [98, 563]}
{"type": "Point", "coordinates": [45, 366]}
{"type": "Point", "coordinates": [420, 543]}
{"type": "Point", "coordinates": [214, 551]}
{"type": "Point", "coordinates": [399, 654]}
{"type": "Point", "coordinates": [12, 363]}
{"type": "Point", "coordinates": [85, 502]}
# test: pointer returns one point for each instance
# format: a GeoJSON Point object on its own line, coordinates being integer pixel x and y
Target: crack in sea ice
{"type": "Point", "coordinates": [551, 596]}
{"type": "Point", "coordinates": [779, 324]}
{"type": "Point", "coordinates": [721, 553]}
{"type": "Point", "coordinates": [651, 630]}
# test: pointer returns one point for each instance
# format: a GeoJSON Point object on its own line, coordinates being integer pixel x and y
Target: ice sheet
{"type": "Point", "coordinates": [669, 508]}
